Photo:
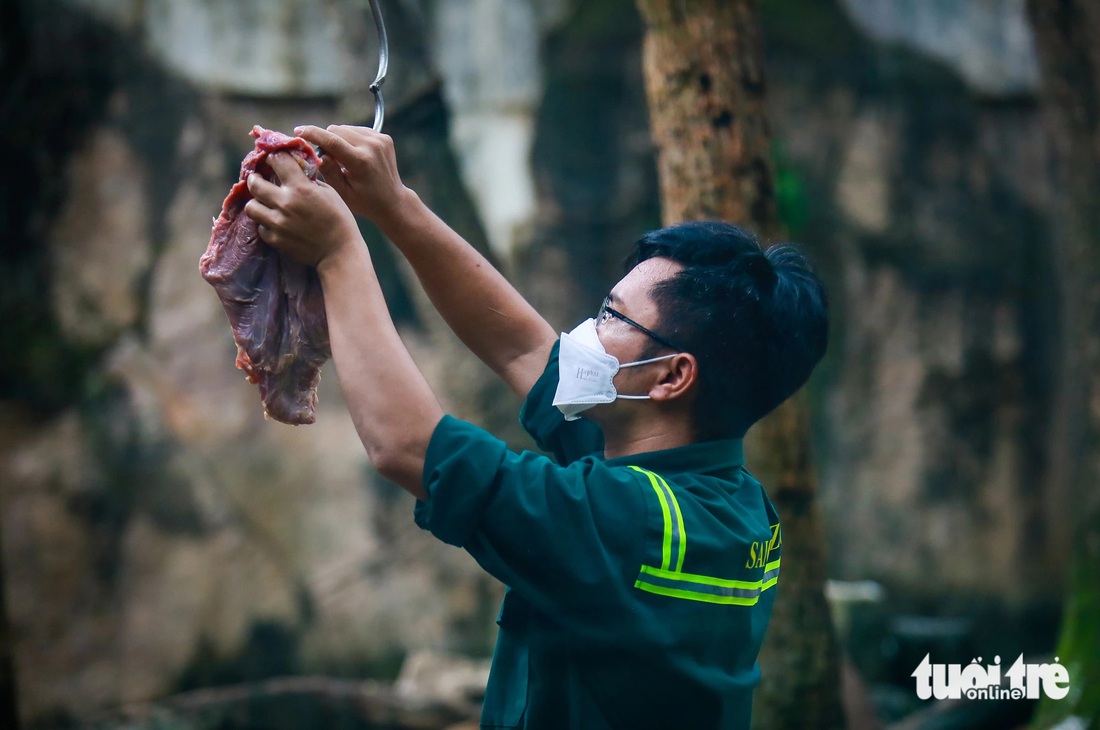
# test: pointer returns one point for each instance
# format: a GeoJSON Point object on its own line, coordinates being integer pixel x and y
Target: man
{"type": "Point", "coordinates": [641, 561]}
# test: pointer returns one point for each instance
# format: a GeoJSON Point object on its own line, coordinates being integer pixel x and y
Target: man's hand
{"type": "Point", "coordinates": [303, 218]}
{"type": "Point", "coordinates": [478, 303]}
{"type": "Point", "coordinates": [360, 164]}
{"type": "Point", "coordinates": [391, 405]}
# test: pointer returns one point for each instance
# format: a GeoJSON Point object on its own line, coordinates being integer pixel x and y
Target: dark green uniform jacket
{"type": "Point", "coordinates": [639, 587]}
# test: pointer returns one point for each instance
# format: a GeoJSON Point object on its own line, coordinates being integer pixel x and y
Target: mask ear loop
{"type": "Point", "coordinates": [636, 364]}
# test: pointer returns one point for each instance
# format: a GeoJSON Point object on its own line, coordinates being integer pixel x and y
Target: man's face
{"type": "Point", "coordinates": [632, 297]}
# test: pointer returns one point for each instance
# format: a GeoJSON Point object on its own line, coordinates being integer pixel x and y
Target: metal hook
{"type": "Point", "coordinates": [383, 66]}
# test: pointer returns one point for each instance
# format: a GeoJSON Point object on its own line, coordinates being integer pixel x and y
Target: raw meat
{"type": "Point", "coordinates": [275, 306]}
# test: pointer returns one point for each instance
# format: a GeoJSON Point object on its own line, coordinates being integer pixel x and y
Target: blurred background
{"type": "Point", "coordinates": [167, 554]}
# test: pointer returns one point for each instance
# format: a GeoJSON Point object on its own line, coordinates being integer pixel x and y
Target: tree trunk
{"type": "Point", "coordinates": [705, 84]}
{"type": "Point", "coordinates": [800, 686]}
{"type": "Point", "coordinates": [1067, 34]}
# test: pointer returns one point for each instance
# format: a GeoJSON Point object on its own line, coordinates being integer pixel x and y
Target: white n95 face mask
{"type": "Point", "coordinates": [586, 371]}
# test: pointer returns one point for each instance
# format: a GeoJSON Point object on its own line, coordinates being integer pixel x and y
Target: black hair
{"type": "Point", "coordinates": [755, 320]}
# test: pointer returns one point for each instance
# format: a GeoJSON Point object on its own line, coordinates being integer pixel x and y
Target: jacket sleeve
{"type": "Point", "coordinates": [566, 440]}
{"type": "Point", "coordinates": [569, 540]}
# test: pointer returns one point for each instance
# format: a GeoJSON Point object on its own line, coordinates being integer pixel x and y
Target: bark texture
{"type": "Point", "coordinates": [800, 664]}
{"type": "Point", "coordinates": [704, 76]}
{"type": "Point", "coordinates": [705, 83]}
{"type": "Point", "coordinates": [1067, 34]}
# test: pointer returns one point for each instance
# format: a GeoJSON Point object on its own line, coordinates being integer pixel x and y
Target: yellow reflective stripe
{"type": "Point", "coordinates": [703, 579]}
{"type": "Point", "coordinates": [674, 583]}
{"type": "Point", "coordinates": [696, 596]}
{"type": "Point", "coordinates": [673, 520]}
{"type": "Point", "coordinates": [701, 587]}
{"type": "Point", "coordinates": [679, 523]}
{"type": "Point", "coordinates": [666, 550]}
{"type": "Point", "coordinates": [771, 575]}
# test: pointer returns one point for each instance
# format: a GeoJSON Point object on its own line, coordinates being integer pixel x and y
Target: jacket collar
{"type": "Point", "coordinates": [703, 457]}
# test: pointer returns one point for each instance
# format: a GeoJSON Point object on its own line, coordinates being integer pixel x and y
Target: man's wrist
{"type": "Point", "coordinates": [341, 258]}
{"type": "Point", "coordinates": [400, 214]}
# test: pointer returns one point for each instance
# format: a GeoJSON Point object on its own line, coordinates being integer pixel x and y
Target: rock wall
{"type": "Point", "coordinates": [929, 203]}
{"type": "Point", "coordinates": [158, 534]}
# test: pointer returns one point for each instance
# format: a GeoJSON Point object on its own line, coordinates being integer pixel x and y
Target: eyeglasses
{"type": "Point", "coordinates": [606, 313]}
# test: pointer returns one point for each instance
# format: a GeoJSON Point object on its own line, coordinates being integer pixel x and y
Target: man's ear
{"type": "Point", "coordinates": [679, 378]}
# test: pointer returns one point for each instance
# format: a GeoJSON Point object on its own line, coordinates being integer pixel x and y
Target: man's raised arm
{"type": "Point", "coordinates": [477, 302]}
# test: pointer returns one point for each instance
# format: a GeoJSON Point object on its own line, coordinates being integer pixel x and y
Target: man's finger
{"type": "Point", "coordinates": [355, 134]}
{"type": "Point", "coordinates": [266, 192]}
{"type": "Point", "coordinates": [333, 173]}
{"type": "Point", "coordinates": [332, 144]}
{"type": "Point", "coordinates": [287, 168]}
{"type": "Point", "coordinates": [260, 213]}
{"type": "Point", "coordinates": [265, 233]}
